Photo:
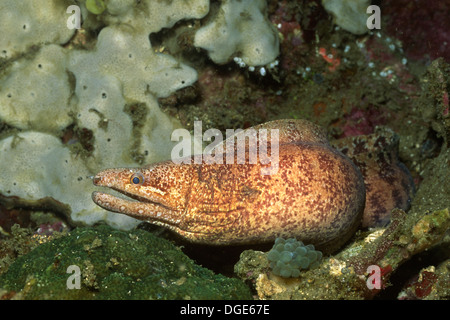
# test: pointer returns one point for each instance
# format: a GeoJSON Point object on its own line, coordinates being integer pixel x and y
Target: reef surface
{"type": "Point", "coordinates": [76, 101]}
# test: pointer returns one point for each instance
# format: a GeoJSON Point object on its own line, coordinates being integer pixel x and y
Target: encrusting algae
{"type": "Point", "coordinates": [114, 265]}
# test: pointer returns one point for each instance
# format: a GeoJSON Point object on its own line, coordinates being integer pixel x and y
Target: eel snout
{"type": "Point", "coordinates": [149, 207]}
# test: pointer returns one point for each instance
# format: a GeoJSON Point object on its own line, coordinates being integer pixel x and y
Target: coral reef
{"type": "Point", "coordinates": [114, 265]}
{"type": "Point", "coordinates": [76, 101]}
{"type": "Point", "coordinates": [345, 275]}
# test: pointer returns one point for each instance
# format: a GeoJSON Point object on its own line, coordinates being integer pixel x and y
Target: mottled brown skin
{"type": "Point", "coordinates": [317, 194]}
{"type": "Point", "coordinates": [389, 184]}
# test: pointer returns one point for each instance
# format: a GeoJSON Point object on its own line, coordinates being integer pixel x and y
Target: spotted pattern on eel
{"type": "Point", "coordinates": [317, 195]}
{"type": "Point", "coordinates": [389, 184]}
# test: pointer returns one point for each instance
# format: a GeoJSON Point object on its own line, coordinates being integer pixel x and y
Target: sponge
{"type": "Point", "coordinates": [288, 257]}
{"type": "Point", "coordinates": [240, 29]}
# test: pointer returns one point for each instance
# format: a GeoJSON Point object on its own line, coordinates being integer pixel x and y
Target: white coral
{"type": "Point", "coordinates": [240, 28]}
{"type": "Point", "coordinates": [32, 22]}
{"type": "Point", "coordinates": [36, 91]}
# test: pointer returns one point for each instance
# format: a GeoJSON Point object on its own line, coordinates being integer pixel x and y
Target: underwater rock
{"type": "Point", "coordinates": [114, 264]}
{"type": "Point", "coordinates": [434, 191]}
{"type": "Point", "coordinates": [432, 283]}
{"type": "Point", "coordinates": [435, 106]}
{"type": "Point", "coordinates": [388, 182]}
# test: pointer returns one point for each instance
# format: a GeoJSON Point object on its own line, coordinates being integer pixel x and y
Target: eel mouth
{"type": "Point", "coordinates": [108, 179]}
{"type": "Point", "coordinates": [128, 198]}
{"type": "Point", "coordinates": [151, 207]}
{"type": "Point", "coordinates": [145, 210]}
{"type": "Point", "coordinates": [132, 197]}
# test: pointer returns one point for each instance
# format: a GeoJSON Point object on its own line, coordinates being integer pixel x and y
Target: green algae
{"type": "Point", "coordinates": [95, 6]}
{"type": "Point", "coordinates": [115, 265]}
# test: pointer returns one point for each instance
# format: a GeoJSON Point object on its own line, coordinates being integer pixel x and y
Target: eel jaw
{"type": "Point", "coordinates": [142, 209]}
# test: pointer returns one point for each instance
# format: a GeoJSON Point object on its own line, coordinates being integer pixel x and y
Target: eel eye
{"type": "Point", "coordinates": [137, 179]}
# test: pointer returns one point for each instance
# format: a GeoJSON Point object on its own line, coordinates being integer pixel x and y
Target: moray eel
{"type": "Point", "coordinates": [388, 182]}
{"type": "Point", "coordinates": [316, 195]}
